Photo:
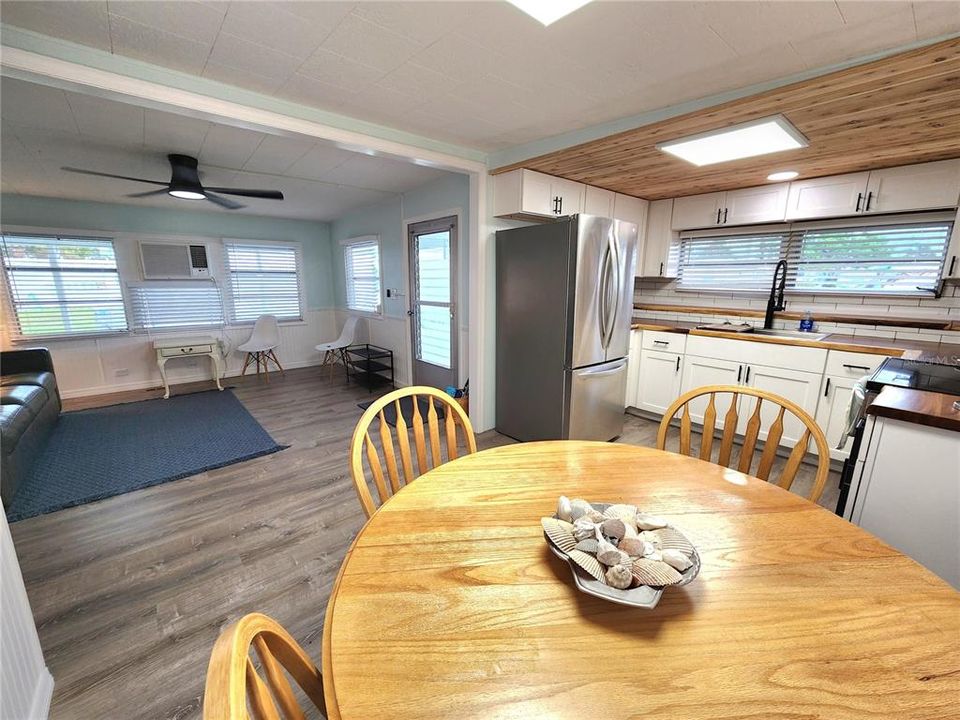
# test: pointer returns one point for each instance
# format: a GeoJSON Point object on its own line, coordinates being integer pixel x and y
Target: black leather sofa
{"type": "Point", "coordinates": [29, 408]}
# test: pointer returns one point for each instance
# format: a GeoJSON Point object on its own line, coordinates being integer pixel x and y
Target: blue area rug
{"type": "Point", "coordinates": [96, 454]}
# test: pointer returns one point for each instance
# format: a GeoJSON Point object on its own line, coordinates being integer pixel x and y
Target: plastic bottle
{"type": "Point", "coordinates": [806, 322]}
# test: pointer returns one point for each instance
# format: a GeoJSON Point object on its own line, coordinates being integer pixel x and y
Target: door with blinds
{"type": "Point", "coordinates": [433, 292]}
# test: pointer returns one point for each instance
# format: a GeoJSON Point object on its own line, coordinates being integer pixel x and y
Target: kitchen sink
{"type": "Point", "coordinates": [796, 334]}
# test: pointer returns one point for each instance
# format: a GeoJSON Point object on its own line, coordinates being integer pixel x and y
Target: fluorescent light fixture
{"type": "Point", "coordinates": [749, 139]}
{"type": "Point", "coordinates": [548, 11]}
{"type": "Point", "coordinates": [186, 194]}
{"type": "Point", "coordinates": [785, 175]}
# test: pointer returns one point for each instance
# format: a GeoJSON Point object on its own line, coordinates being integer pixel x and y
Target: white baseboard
{"type": "Point", "coordinates": [42, 694]}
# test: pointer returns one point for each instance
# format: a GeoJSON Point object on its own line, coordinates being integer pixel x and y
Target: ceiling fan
{"type": "Point", "coordinates": [185, 184]}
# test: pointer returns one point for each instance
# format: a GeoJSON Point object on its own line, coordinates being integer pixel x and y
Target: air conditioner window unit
{"type": "Point", "coordinates": [172, 261]}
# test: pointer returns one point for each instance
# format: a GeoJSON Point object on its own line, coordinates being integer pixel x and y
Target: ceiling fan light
{"type": "Point", "coordinates": [187, 194]}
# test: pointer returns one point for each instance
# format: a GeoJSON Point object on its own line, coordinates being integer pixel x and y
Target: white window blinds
{"type": "Point", "coordinates": [63, 286]}
{"type": "Point", "coordinates": [264, 280]}
{"type": "Point", "coordinates": [170, 306]}
{"type": "Point", "coordinates": [903, 258]}
{"type": "Point", "coordinates": [361, 259]}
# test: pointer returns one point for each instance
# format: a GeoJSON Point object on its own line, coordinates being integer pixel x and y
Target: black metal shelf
{"type": "Point", "coordinates": [369, 365]}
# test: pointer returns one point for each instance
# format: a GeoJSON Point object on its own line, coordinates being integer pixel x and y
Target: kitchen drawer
{"type": "Point", "coordinates": [851, 364]}
{"type": "Point", "coordinates": [665, 341]}
{"type": "Point", "coordinates": [186, 350]}
{"type": "Point", "coordinates": [804, 359]}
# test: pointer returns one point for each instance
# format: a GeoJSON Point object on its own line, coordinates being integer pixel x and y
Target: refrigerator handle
{"type": "Point", "coordinates": [602, 309]}
{"type": "Point", "coordinates": [615, 265]}
{"type": "Point", "coordinates": [600, 373]}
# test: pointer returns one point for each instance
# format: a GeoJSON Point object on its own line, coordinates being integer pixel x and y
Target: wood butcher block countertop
{"type": "Point", "coordinates": [917, 406]}
{"type": "Point", "coordinates": [944, 353]}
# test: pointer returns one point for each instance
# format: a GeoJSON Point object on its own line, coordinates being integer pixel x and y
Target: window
{"type": "Point", "coordinates": [170, 306]}
{"type": "Point", "coordinates": [264, 280]}
{"type": "Point", "coordinates": [63, 286]}
{"type": "Point", "coordinates": [896, 258]}
{"type": "Point", "coordinates": [361, 260]}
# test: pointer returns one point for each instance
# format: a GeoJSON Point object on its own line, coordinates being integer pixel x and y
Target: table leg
{"type": "Point", "coordinates": [216, 369]}
{"type": "Point", "coordinates": [161, 362]}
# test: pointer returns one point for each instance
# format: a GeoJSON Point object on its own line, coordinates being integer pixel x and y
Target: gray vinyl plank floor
{"type": "Point", "coordinates": [130, 593]}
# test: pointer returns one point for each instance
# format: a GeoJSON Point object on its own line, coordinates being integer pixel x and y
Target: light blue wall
{"type": "Point", "coordinates": [386, 220]}
{"type": "Point", "coordinates": [108, 217]}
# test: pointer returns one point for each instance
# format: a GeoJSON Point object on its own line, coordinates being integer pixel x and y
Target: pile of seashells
{"type": "Point", "coordinates": [619, 546]}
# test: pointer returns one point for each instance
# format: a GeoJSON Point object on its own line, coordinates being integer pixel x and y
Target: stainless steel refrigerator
{"type": "Point", "coordinates": [564, 302]}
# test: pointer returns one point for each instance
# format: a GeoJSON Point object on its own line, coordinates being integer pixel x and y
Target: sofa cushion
{"type": "Point", "coordinates": [46, 380]}
{"type": "Point", "coordinates": [33, 396]}
{"type": "Point", "coordinates": [14, 421]}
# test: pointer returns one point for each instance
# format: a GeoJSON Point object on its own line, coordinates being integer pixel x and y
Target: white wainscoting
{"type": "Point", "coordinates": [128, 362]}
{"type": "Point", "coordinates": [25, 683]}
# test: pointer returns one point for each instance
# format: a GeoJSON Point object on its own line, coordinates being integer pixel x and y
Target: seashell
{"type": "Point", "coordinates": [559, 532]}
{"type": "Point", "coordinates": [619, 576]}
{"type": "Point", "coordinates": [584, 528]}
{"type": "Point", "coordinates": [589, 545]}
{"type": "Point", "coordinates": [627, 513]}
{"type": "Point", "coordinates": [589, 563]}
{"type": "Point", "coordinates": [650, 522]}
{"type": "Point", "coordinates": [673, 539]}
{"type": "Point", "coordinates": [634, 547]}
{"type": "Point", "coordinates": [564, 511]}
{"type": "Point", "coordinates": [677, 560]}
{"type": "Point", "coordinates": [651, 537]}
{"type": "Point", "coordinates": [596, 516]}
{"type": "Point", "coordinates": [631, 531]}
{"type": "Point", "coordinates": [654, 555]}
{"type": "Point", "coordinates": [654, 572]}
{"type": "Point", "coordinates": [612, 557]}
{"type": "Point", "coordinates": [578, 508]}
{"type": "Point", "coordinates": [613, 528]}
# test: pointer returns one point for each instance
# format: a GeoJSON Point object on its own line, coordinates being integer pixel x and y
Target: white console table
{"type": "Point", "coordinates": [192, 346]}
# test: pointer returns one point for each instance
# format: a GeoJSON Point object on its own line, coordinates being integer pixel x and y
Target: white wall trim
{"type": "Point", "coordinates": [42, 695]}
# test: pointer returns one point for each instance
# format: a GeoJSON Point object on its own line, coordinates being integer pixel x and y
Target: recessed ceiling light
{"type": "Point", "coordinates": [749, 139]}
{"type": "Point", "coordinates": [187, 194]}
{"type": "Point", "coordinates": [548, 11]}
{"type": "Point", "coordinates": [785, 175]}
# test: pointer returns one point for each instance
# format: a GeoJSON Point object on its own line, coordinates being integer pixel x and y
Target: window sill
{"type": "Point", "coordinates": [32, 339]}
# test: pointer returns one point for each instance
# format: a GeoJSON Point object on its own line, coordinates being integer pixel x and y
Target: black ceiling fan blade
{"type": "Point", "coordinates": [222, 201]}
{"type": "Point", "coordinates": [244, 192]}
{"type": "Point", "coordinates": [148, 193]}
{"type": "Point", "coordinates": [81, 171]}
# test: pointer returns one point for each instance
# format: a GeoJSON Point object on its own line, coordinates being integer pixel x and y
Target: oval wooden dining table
{"type": "Point", "coordinates": [449, 605]}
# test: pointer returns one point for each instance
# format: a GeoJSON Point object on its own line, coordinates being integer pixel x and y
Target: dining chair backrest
{"type": "Point", "coordinates": [751, 433]}
{"type": "Point", "coordinates": [236, 691]}
{"type": "Point", "coordinates": [349, 332]}
{"type": "Point", "coordinates": [392, 462]}
{"type": "Point", "coordinates": [266, 333]}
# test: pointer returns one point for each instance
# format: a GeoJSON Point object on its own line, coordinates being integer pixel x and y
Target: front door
{"type": "Point", "coordinates": [433, 290]}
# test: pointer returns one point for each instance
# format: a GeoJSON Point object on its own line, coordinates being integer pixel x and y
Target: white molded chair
{"type": "Point", "coordinates": [259, 348]}
{"type": "Point", "coordinates": [332, 350]}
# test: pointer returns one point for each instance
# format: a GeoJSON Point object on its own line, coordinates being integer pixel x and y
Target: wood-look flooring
{"type": "Point", "coordinates": [129, 593]}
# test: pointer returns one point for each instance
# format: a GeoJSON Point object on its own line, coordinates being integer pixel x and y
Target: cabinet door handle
{"type": "Point", "coordinates": [661, 268]}
{"type": "Point", "coordinates": [718, 216]}
{"type": "Point", "coordinates": [678, 364]}
{"type": "Point", "coordinates": [826, 390]}
{"type": "Point", "coordinates": [866, 208]}
{"type": "Point", "coordinates": [560, 209]}
{"type": "Point", "coordinates": [857, 367]}
{"type": "Point", "coordinates": [725, 211]}
{"type": "Point", "coordinates": [661, 342]}
{"type": "Point", "coordinates": [859, 200]}
{"type": "Point", "coordinates": [746, 380]}
{"type": "Point", "coordinates": [739, 372]}
{"type": "Point", "coordinates": [953, 265]}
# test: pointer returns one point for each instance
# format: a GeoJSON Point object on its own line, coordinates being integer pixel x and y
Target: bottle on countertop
{"type": "Point", "coordinates": [806, 322]}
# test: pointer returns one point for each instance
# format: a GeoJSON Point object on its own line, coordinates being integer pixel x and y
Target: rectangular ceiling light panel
{"type": "Point", "coordinates": [548, 11]}
{"type": "Point", "coordinates": [749, 139]}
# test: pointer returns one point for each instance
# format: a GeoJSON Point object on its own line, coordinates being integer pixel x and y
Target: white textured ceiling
{"type": "Point", "coordinates": [44, 128]}
{"type": "Point", "coordinates": [484, 74]}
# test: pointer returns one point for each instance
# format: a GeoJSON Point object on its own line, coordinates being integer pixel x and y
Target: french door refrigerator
{"type": "Point", "coordinates": [564, 302]}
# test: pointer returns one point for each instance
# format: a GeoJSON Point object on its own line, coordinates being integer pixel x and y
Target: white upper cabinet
{"type": "Point", "coordinates": [530, 195]}
{"type": "Point", "coordinates": [767, 203]}
{"type": "Point", "coordinates": [698, 211]}
{"type": "Point", "coordinates": [599, 202]}
{"type": "Point", "coordinates": [658, 256]}
{"type": "Point", "coordinates": [631, 209]}
{"type": "Point", "coordinates": [833, 196]}
{"type": "Point", "coordinates": [913, 187]}
{"type": "Point", "coordinates": [951, 267]}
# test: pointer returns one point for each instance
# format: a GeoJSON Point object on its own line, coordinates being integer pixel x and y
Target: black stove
{"type": "Point", "coordinates": [917, 375]}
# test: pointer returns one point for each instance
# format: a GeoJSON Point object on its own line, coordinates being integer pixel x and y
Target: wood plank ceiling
{"type": "Point", "coordinates": [899, 110]}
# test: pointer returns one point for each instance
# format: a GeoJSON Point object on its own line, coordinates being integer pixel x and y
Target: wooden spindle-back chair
{"type": "Point", "coordinates": [424, 425]}
{"type": "Point", "coordinates": [235, 691]}
{"type": "Point", "coordinates": [751, 434]}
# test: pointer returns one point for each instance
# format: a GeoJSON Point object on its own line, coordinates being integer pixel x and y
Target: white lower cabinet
{"type": "Point", "coordinates": [659, 380]}
{"type": "Point", "coordinates": [802, 388]}
{"type": "Point", "coordinates": [700, 371]}
{"type": "Point", "coordinates": [832, 412]}
{"type": "Point", "coordinates": [633, 369]}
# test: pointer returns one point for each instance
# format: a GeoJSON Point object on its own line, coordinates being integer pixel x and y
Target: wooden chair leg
{"type": "Point", "coordinates": [273, 356]}
{"type": "Point", "coordinates": [246, 364]}
{"type": "Point", "coordinates": [266, 368]}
